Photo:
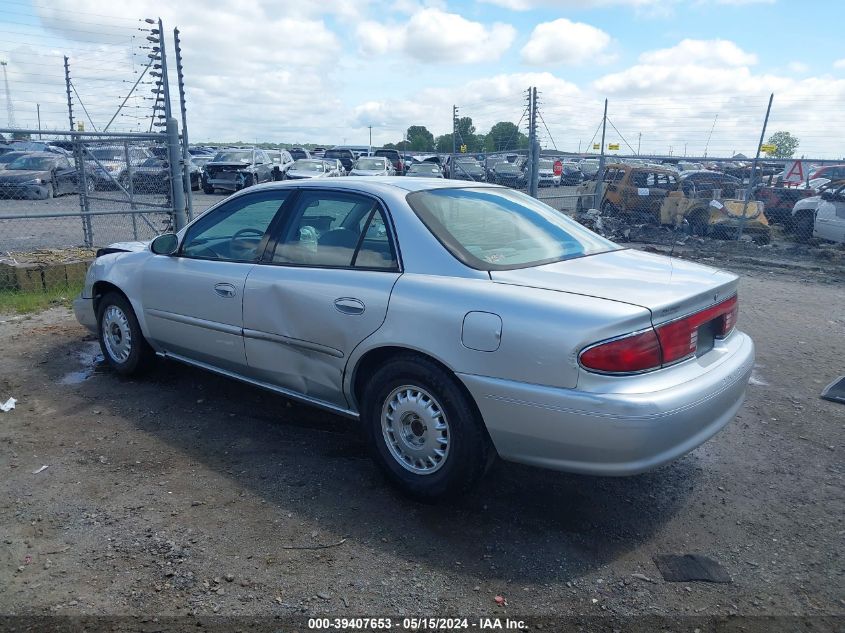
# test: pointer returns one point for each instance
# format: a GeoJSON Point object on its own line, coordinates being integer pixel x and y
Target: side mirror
{"type": "Point", "coordinates": [165, 244]}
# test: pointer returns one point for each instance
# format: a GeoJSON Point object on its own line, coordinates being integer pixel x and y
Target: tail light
{"type": "Point", "coordinates": [661, 346]}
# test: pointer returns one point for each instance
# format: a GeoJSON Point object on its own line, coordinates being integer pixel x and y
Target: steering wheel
{"type": "Point", "coordinates": [246, 231]}
{"type": "Point", "coordinates": [241, 248]}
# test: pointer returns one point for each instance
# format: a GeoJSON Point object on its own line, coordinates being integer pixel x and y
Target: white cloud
{"type": "Point", "coordinates": [564, 42]}
{"type": "Point", "coordinates": [711, 52]}
{"type": "Point", "coordinates": [527, 5]}
{"type": "Point", "coordinates": [432, 35]}
{"type": "Point", "coordinates": [797, 67]}
{"type": "Point", "coordinates": [839, 63]}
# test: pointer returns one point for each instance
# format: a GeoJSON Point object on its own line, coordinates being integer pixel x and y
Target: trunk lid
{"type": "Point", "coordinates": [668, 287]}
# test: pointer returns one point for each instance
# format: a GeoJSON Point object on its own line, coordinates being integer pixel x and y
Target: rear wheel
{"type": "Point", "coordinates": [424, 431]}
{"type": "Point", "coordinates": [804, 225]}
{"type": "Point", "coordinates": [121, 340]}
{"type": "Point", "coordinates": [698, 224]}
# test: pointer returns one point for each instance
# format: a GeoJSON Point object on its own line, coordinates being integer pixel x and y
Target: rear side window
{"type": "Point", "coordinates": [501, 229]}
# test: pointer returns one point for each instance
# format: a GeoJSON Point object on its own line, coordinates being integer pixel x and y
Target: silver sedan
{"type": "Point", "coordinates": [454, 321]}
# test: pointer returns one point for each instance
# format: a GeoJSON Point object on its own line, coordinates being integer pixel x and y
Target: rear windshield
{"type": "Point", "coordinates": [370, 163]}
{"type": "Point", "coordinates": [501, 229]}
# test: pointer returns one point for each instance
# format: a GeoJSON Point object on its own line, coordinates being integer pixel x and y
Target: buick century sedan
{"type": "Point", "coordinates": [454, 321]}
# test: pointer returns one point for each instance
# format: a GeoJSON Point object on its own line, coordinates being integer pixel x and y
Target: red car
{"type": "Point", "coordinates": [834, 172]}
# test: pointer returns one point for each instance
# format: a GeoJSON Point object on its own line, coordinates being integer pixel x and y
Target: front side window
{"type": "Point", "coordinates": [234, 231]}
{"type": "Point", "coordinates": [501, 229]}
{"type": "Point", "coordinates": [336, 229]}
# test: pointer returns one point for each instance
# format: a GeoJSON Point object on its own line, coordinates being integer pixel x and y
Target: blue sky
{"type": "Point", "coordinates": [325, 71]}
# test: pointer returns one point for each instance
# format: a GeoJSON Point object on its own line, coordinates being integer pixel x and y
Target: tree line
{"type": "Point", "coordinates": [503, 136]}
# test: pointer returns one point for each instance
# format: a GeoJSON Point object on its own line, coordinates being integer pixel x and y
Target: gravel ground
{"type": "Point", "coordinates": [186, 493]}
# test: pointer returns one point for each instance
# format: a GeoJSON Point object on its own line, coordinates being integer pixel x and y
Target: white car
{"type": "Point", "coordinates": [822, 216]}
{"type": "Point", "coordinates": [312, 168]}
{"type": "Point", "coordinates": [372, 166]}
{"type": "Point", "coordinates": [546, 173]}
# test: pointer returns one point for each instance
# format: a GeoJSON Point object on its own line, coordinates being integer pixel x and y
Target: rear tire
{"type": "Point", "coordinates": [698, 224]}
{"type": "Point", "coordinates": [121, 340]}
{"type": "Point", "coordinates": [423, 430]}
{"type": "Point", "coordinates": [804, 225]}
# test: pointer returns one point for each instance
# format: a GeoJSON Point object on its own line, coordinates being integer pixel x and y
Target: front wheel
{"type": "Point", "coordinates": [121, 340]}
{"type": "Point", "coordinates": [424, 431]}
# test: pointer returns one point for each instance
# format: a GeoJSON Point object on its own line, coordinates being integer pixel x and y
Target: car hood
{"type": "Point", "coordinates": [22, 175]}
{"type": "Point", "coordinates": [368, 172]}
{"type": "Point", "coordinates": [668, 287]}
{"type": "Point", "coordinates": [810, 202]}
{"type": "Point", "coordinates": [292, 173]}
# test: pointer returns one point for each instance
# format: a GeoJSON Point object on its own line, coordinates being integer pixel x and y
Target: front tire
{"type": "Point", "coordinates": [121, 340]}
{"type": "Point", "coordinates": [423, 430]}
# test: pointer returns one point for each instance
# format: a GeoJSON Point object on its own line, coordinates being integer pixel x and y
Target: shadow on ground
{"type": "Point", "coordinates": [520, 523]}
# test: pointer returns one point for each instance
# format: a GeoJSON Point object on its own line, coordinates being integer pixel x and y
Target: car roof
{"type": "Point", "coordinates": [374, 184]}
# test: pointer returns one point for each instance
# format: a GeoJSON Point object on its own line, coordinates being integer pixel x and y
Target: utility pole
{"type": "Point", "coordinates": [639, 141]}
{"type": "Point", "coordinates": [69, 102]}
{"type": "Point", "coordinates": [38, 114]}
{"type": "Point", "coordinates": [10, 111]}
{"type": "Point", "coordinates": [454, 140]}
{"type": "Point", "coordinates": [370, 127]}
{"type": "Point", "coordinates": [751, 181]}
{"type": "Point", "coordinates": [599, 190]}
{"type": "Point", "coordinates": [186, 157]}
{"type": "Point", "coordinates": [533, 144]}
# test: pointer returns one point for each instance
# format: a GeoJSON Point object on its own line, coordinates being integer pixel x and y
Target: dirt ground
{"type": "Point", "coordinates": [186, 493]}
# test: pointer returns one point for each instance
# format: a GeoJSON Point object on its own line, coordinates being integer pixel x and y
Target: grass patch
{"type": "Point", "coordinates": [28, 302]}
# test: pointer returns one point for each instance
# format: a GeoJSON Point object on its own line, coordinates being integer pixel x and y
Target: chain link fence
{"type": "Point", "coordinates": [63, 195]}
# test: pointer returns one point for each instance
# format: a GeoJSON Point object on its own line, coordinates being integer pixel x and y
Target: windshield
{"type": "Point", "coordinates": [33, 163]}
{"type": "Point", "coordinates": [546, 164]}
{"type": "Point", "coordinates": [370, 163]}
{"type": "Point", "coordinates": [10, 156]}
{"type": "Point", "coordinates": [500, 229]}
{"type": "Point", "coordinates": [308, 165]}
{"type": "Point", "coordinates": [233, 157]}
{"type": "Point", "coordinates": [424, 169]}
{"type": "Point", "coordinates": [506, 167]}
{"type": "Point", "coordinates": [107, 153]}
{"type": "Point", "coordinates": [152, 162]}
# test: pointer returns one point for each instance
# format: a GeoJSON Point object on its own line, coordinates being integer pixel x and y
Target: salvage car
{"type": "Point", "coordinates": [453, 321]}
{"type": "Point", "coordinates": [425, 170]}
{"type": "Point", "coordinates": [372, 166]}
{"type": "Point", "coordinates": [236, 169]}
{"type": "Point", "coordinates": [546, 174]}
{"type": "Point", "coordinates": [282, 160]}
{"type": "Point", "coordinates": [109, 163]}
{"type": "Point", "coordinates": [466, 168]}
{"type": "Point", "coordinates": [508, 174]}
{"type": "Point", "coordinates": [822, 215]}
{"type": "Point", "coordinates": [313, 168]}
{"type": "Point", "coordinates": [40, 176]}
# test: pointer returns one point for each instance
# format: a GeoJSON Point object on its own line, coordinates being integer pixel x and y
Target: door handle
{"type": "Point", "coordinates": [227, 291]}
{"type": "Point", "coordinates": [349, 305]}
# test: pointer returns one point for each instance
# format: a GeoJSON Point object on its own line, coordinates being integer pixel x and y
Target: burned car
{"type": "Point", "coordinates": [236, 169]}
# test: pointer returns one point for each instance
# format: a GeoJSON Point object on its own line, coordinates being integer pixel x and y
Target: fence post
{"type": "Point", "coordinates": [751, 180]}
{"type": "Point", "coordinates": [174, 156]}
{"type": "Point", "coordinates": [533, 147]}
{"type": "Point", "coordinates": [131, 182]}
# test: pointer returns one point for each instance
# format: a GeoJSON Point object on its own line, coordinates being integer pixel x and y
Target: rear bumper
{"type": "Point", "coordinates": [621, 432]}
{"type": "Point", "coordinates": [83, 310]}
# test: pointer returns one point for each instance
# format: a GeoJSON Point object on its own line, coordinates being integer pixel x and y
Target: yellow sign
{"type": "Point", "coordinates": [613, 146]}
{"type": "Point", "coordinates": [596, 146]}
{"type": "Point", "coordinates": [463, 149]}
{"type": "Point", "coordinates": [80, 126]}
{"type": "Point", "coordinates": [769, 148]}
